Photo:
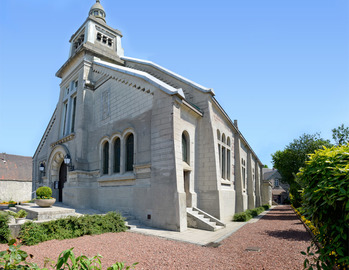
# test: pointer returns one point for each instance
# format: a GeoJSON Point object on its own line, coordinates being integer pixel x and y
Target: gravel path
{"type": "Point", "coordinates": [279, 235]}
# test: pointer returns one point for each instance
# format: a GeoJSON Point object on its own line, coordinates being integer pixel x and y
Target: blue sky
{"type": "Point", "coordinates": [280, 67]}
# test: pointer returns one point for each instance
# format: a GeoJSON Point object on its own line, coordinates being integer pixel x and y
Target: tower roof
{"type": "Point", "coordinates": [97, 11]}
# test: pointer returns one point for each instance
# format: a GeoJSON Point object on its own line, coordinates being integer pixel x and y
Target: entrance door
{"type": "Point", "coordinates": [186, 176]}
{"type": "Point", "coordinates": [62, 180]}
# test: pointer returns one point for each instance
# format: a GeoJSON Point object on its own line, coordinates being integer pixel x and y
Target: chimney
{"type": "Point", "coordinates": [236, 123]}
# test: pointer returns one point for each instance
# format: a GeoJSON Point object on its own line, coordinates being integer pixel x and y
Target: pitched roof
{"type": "Point", "coordinates": [143, 75]}
{"type": "Point", "coordinates": [169, 73]}
{"type": "Point", "coordinates": [13, 167]}
{"type": "Point", "coordinates": [270, 174]}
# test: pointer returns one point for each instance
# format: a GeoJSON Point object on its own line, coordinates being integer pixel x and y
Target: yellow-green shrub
{"type": "Point", "coordinates": [325, 201]}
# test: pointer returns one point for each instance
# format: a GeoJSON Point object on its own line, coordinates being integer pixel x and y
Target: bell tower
{"type": "Point", "coordinates": [97, 38]}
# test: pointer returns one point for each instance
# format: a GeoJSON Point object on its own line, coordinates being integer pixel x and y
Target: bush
{"type": "Point", "coordinates": [32, 233]}
{"type": "Point", "coordinates": [260, 210]}
{"type": "Point", "coordinates": [21, 214]}
{"type": "Point", "coordinates": [71, 227]}
{"type": "Point", "coordinates": [243, 216]}
{"type": "Point", "coordinates": [325, 201]}
{"type": "Point", "coordinates": [44, 193]}
{"type": "Point", "coordinates": [4, 229]}
{"type": "Point", "coordinates": [266, 206]}
{"type": "Point", "coordinates": [250, 213]}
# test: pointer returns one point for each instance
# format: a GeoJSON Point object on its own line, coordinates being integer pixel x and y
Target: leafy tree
{"type": "Point", "coordinates": [341, 135]}
{"type": "Point", "coordinates": [293, 157]}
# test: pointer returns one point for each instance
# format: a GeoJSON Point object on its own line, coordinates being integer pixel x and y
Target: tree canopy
{"type": "Point", "coordinates": [293, 157]}
{"type": "Point", "coordinates": [341, 135]}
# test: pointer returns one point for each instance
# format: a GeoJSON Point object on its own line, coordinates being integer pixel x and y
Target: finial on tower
{"type": "Point", "coordinates": [98, 11]}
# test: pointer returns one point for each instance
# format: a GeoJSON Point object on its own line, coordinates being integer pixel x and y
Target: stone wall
{"type": "Point", "coordinates": [15, 190]}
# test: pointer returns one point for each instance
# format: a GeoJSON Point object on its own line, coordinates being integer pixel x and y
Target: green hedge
{"type": "Point", "coordinates": [243, 216]}
{"type": "Point", "coordinates": [266, 206]}
{"type": "Point", "coordinates": [33, 233]}
{"type": "Point", "coordinates": [4, 229]}
{"type": "Point", "coordinates": [325, 201]}
{"type": "Point", "coordinates": [250, 213]}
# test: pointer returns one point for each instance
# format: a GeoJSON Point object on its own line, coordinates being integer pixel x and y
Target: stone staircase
{"type": "Point", "coordinates": [199, 219]}
{"type": "Point", "coordinates": [130, 221]}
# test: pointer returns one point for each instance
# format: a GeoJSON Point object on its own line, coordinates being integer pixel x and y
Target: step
{"type": "Point", "coordinates": [197, 218]}
{"type": "Point", "coordinates": [132, 224]}
{"type": "Point", "coordinates": [45, 213]}
{"type": "Point", "coordinates": [218, 222]}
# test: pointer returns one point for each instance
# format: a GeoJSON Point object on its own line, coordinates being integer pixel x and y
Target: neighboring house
{"type": "Point", "coordinates": [131, 136]}
{"type": "Point", "coordinates": [280, 190]}
{"type": "Point", "coordinates": [15, 178]}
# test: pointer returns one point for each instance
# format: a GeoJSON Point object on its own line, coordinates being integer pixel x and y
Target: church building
{"type": "Point", "coordinates": [131, 136]}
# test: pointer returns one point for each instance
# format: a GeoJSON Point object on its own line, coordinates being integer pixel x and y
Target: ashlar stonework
{"type": "Point", "coordinates": [142, 140]}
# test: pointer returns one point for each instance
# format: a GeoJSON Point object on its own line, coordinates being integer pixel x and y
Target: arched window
{"type": "Point", "coordinates": [219, 148]}
{"type": "Point", "coordinates": [224, 154]}
{"type": "Point", "coordinates": [129, 152]}
{"type": "Point", "coordinates": [223, 162]}
{"type": "Point", "coordinates": [243, 171]}
{"type": "Point", "coordinates": [117, 151]}
{"type": "Point", "coordinates": [106, 158]}
{"type": "Point", "coordinates": [185, 148]}
{"type": "Point", "coordinates": [228, 159]}
{"type": "Point", "coordinates": [223, 138]}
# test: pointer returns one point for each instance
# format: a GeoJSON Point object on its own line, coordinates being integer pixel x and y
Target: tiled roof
{"type": "Point", "coordinates": [13, 167]}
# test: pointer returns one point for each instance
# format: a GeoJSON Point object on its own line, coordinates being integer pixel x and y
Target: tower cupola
{"type": "Point", "coordinates": [97, 11]}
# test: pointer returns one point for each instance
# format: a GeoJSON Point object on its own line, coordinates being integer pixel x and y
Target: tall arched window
{"type": "Point", "coordinates": [185, 148]}
{"type": "Point", "coordinates": [223, 167]}
{"type": "Point", "coordinates": [219, 148]}
{"type": "Point", "coordinates": [117, 151]}
{"type": "Point", "coordinates": [129, 152]}
{"type": "Point", "coordinates": [106, 158]}
{"type": "Point", "coordinates": [243, 171]}
{"type": "Point", "coordinates": [224, 153]}
{"type": "Point", "coordinates": [228, 159]}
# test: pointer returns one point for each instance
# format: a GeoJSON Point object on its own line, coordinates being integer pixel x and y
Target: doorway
{"type": "Point", "coordinates": [62, 180]}
{"type": "Point", "coordinates": [186, 177]}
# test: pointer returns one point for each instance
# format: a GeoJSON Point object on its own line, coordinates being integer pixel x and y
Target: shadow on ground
{"type": "Point", "coordinates": [279, 209]}
{"type": "Point", "coordinates": [291, 235]}
{"type": "Point", "coordinates": [278, 216]}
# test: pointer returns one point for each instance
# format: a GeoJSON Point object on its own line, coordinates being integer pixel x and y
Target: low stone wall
{"type": "Point", "coordinates": [15, 190]}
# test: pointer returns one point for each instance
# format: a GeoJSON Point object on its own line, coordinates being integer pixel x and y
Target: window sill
{"type": "Point", "coordinates": [186, 166]}
{"type": "Point", "coordinates": [226, 182]}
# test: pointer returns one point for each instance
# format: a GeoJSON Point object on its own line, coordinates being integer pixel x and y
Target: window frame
{"type": "Point", "coordinates": [129, 152]}
{"type": "Point", "coordinates": [105, 158]}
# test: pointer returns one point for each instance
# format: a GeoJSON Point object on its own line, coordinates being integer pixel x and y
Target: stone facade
{"type": "Point", "coordinates": [280, 190]}
{"type": "Point", "coordinates": [142, 140]}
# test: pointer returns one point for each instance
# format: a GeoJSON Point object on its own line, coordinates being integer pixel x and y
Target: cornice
{"type": "Point", "coordinates": [104, 25]}
{"type": "Point", "coordinates": [93, 50]}
{"type": "Point", "coordinates": [63, 140]}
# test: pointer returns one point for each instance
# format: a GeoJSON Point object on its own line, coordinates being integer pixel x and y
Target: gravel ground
{"type": "Point", "coordinates": [279, 235]}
